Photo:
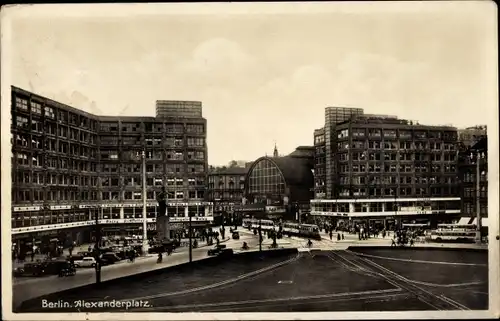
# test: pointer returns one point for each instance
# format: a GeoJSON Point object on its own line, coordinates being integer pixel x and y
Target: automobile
{"type": "Point", "coordinates": [54, 267]}
{"type": "Point", "coordinates": [84, 254]}
{"type": "Point", "coordinates": [67, 269]}
{"type": "Point", "coordinates": [236, 235]}
{"type": "Point", "coordinates": [110, 258]}
{"type": "Point", "coordinates": [34, 269]}
{"type": "Point", "coordinates": [85, 262]}
{"type": "Point", "coordinates": [216, 250]}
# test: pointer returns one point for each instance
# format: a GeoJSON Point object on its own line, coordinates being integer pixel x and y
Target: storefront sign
{"type": "Point", "coordinates": [275, 209]}
{"type": "Point", "coordinates": [26, 208]}
{"type": "Point", "coordinates": [50, 227]}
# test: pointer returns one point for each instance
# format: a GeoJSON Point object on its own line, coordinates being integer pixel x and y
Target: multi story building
{"type": "Point", "coordinates": [386, 169]}
{"type": "Point", "coordinates": [280, 186]}
{"type": "Point", "coordinates": [471, 135]}
{"type": "Point", "coordinates": [473, 176]}
{"type": "Point", "coordinates": [226, 186]}
{"type": "Point", "coordinates": [319, 164]}
{"type": "Point", "coordinates": [334, 116]}
{"type": "Point", "coordinates": [69, 166]}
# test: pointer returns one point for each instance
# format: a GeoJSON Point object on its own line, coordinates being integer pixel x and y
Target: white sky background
{"type": "Point", "coordinates": [265, 78]}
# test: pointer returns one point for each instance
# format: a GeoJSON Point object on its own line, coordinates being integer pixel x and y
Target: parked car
{"type": "Point", "coordinates": [54, 267]}
{"type": "Point", "coordinates": [67, 269]}
{"type": "Point", "coordinates": [85, 262]}
{"type": "Point", "coordinates": [33, 269]}
{"type": "Point", "coordinates": [110, 258]}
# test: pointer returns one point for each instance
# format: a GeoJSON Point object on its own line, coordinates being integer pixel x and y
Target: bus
{"type": "Point", "coordinates": [454, 233]}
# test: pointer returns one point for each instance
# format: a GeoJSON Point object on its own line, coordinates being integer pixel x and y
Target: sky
{"type": "Point", "coordinates": [265, 78]}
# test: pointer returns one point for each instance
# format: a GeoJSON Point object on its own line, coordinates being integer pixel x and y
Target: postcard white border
{"type": "Point", "coordinates": [127, 10]}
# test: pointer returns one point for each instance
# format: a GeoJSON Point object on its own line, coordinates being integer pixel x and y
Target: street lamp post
{"type": "Point", "coordinates": [144, 215]}
{"type": "Point", "coordinates": [190, 238]}
{"type": "Point", "coordinates": [260, 235]}
{"type": "Point", "coordinates": [478, 197]}
{"type": "Point", "coordinates": [96, 249]}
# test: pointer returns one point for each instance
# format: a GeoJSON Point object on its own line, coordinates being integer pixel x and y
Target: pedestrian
{"type": "Point", "coordinates": [331, 235]}
{"type": "Point", "coordinates": [342, 236]}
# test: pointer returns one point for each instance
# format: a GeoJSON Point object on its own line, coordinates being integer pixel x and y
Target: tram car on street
{"type": "Point", "coordinates": [288, 228]}
{"type": "Point", "coordinates": [302, 230]}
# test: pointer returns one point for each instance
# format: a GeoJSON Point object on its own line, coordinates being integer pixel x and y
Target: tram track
{"type": "Point", "coordinates": [221, 284]}
{"type": "Point", "coordinates": [248, 304]}
{"type": "Point", "coordinates": [366, 266]}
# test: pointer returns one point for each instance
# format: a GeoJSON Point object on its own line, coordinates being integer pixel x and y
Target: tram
{"type": "Point", "coordinates": [454, 233]}
{"type": "Point", "coordinates": [288, 228]}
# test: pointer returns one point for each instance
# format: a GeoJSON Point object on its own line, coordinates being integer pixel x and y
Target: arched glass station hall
{"type": "Point", "coordinates": [282, 184]}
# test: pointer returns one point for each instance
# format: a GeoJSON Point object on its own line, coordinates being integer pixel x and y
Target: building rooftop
{"type": "Point", "coordinates": [228, 171]}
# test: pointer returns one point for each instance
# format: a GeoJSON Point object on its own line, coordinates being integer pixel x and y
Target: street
{"type": "Point", "coordinates": [27, 288]}
{"type": "Point", "coordinates": [318, 280]}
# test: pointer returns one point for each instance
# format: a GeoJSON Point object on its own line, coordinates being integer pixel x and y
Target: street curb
{"type": "Point", "coordinates": [353, 248]}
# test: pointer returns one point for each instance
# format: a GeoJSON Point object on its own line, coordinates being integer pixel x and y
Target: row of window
{"type": "Point", "coordinates": [470, 208]}
{"type": "Point", "coordinates": [403, 191]}
{"type": "Point", "coordinates": [63, 116]}
{"type": "Point", "coordinates": [36, 160]}
{"type": "Point", "coordinates": [230, 185]}
{"type": "Point", "coordinates": [402, 156]}
{"type": "Point", "coordinates": [395, 168]}
{"type": "Point", "coordinates": [471, 191]}
{"type": "Point", "coordinates": [362, 180]}
{"type": "Point", "coordinates": [169, 142]}
{"type": "Point", "coordinates": [470, 176]}
{"type": "Point", "coordinates": [28, 195]}
{"type": "Point", "coordinates": [152, 127]}
{"type": "Point", "coordinates": [397, 145]}
{"type": "Point", "coordinates": [392, 133]}
{"type": "Point", "coordinates": [153, 155]}
{"type": "Point", "coordinates": [227, 196]}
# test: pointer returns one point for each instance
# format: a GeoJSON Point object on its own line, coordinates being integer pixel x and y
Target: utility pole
{"type": "Point", "coordinates": [144, 215]}
{"type": "Point", "coordinates": [478, 197]}
{"type": "Point", "coordinates": [97, 243]}
{"type": "Point", "coordinates": [190, 238]}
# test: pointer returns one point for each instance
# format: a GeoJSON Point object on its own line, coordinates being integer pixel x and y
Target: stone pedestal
{"type": "Point", "coordinates": [162, 227]}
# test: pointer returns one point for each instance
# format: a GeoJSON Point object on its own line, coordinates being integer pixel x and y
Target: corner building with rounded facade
{"type": "Point", "coordinates": [69, 166]}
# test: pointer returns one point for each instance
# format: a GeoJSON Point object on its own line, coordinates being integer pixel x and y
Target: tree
{"type": "Point", "coordinates": [233, 164]}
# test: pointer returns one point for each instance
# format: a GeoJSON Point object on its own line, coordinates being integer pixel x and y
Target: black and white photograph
{"type": "Point", "coordinates": [257, 161]}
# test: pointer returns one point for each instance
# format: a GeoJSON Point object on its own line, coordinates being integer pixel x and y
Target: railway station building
{"type": "Point", "coordinates": [281, 186]}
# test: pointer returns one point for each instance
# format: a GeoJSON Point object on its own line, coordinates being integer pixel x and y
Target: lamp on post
{"type": "Point", "coordinates": [190, 237]}
{"type": "Point", "coordinates": [97, 243]}
{"type": "Point", "coordinates": [260, 235]}
{"type": "Point", "coordinates": [144, 215]}
{"type": "Point", "coordinates": [478, 157]}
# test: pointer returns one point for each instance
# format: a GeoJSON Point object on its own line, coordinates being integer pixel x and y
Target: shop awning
{"type": "Point", "coordinates": [463, 221]}
{"type": "Point", "coordinates": [484, 222]}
